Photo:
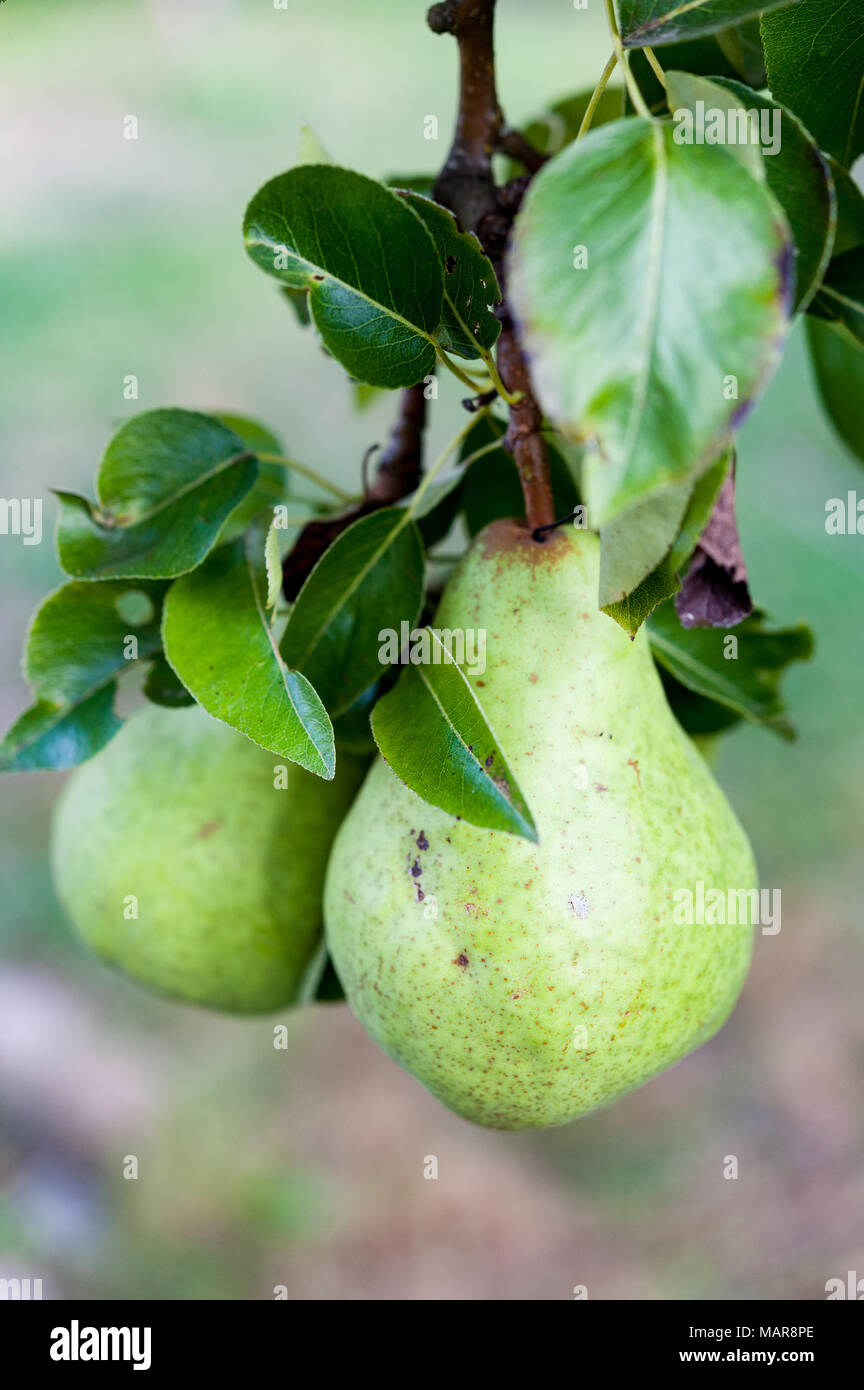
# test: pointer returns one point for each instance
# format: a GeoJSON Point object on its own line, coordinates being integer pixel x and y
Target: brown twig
{"type": "Point", "coordinates": [516, 146]}
{"type": "Point", "coordinates": [466, 185]}
{"type": "Point", "coordinates": [400, 465]}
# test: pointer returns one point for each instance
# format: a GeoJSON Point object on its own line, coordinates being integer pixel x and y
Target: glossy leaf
{"type": "Point", "coordinates": [748, 683]}
{"type": "Point", "coordinates": [49, 737]}
{"type": "Point", "coordinates": [799, 177]}
{"type": "Point", "coordinates": [167, 483]}
{"type": "Point", "coordinates": [218, 640]}
{"type": "Point", "coordinates": [658, 346]}
{"type": "Point", "coordinates": [371, 268]}
{"type": "Point", "coordinates": [81, 639]}
{"type": "Point", "coordinates": [649, 23]}
{"type": "Point", "coordinates": [838, 361]}
{"type": "Point", "coordinates": [369, 579]}
{"type": "Point", "coordinates": [470, 286]}
{"type": "Point", "coordinates": [814, 55]}
{"type": "Point", "coordinates": [432, 731]}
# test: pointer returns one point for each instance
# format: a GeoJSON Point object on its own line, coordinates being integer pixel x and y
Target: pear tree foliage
{"type": "Point", "coordinates": [612, 310]}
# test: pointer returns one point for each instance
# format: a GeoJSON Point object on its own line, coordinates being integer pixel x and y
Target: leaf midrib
{"type": "Point", "coordinates": [352, 289]}
{"type": "Point", "coordinates": [281, 665]}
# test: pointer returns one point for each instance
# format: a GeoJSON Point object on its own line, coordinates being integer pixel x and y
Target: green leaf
{"type": "Point", "coordinates": [50, 737]}
{"type": "Point", "coordinates": [79, 639]}
{"type": "Point", "coordinates": [850, 209]}
{"type": "Point", "coordinates": [649, 23]}
{"type": "Point", "coordinates": [841, 295]}
{"type": "Point", "coordinates": [633, 545]}
{"type": "Point", "coordinates": [814, 54]}
{"type": "Point", "coordinates": [368, 580]}
{"type": "Point", "coordinates": [371, 268]}
{"type": "Point", "coordinates": [838, 361]}
{"type": "Point", "coordinates": [352, 729]}
{"type": "Point", "coordinates": [685, 92]}
{"type": "Point", "coordinates": [218, 640]}
{"type": "Point", "coordinates": [257, 438]}
{"type": "Point", "coordinates": [273, 484]}
{"type": "Point", "coordinates": [799, 177]}
{"type": "Point", "coordinates": [470, 286]}
{"type": "Point", "coordinates": [432, 731]}
{"type": "Point", "coordinates": [631, 611]}
{"type": "Point", "coordinates": [741, 45]}
{"type": "Point", "coordinates": [698, 716]}
{"type": "Point", "coordinates": [166, 484]}
{"type": "Point", "coordinates": [83, 636]}
{"type": "Point", "coordinates": [740, 670]}
{"type": "Point", "coordinates": [162, 687]}
{"type": "Point", "coordinates": [659, 345]}
{"type": "Point", "coordinates": [491, 489]}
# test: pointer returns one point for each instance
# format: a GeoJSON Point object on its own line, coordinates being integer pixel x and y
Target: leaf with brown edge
{"type": "Point", "coordinates": [715, 592]}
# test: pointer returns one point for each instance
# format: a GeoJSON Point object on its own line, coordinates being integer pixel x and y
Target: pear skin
{"type": "Point", "coordinates": [527, 984]}
{"type": "Point", "coordinates": [180, 860]}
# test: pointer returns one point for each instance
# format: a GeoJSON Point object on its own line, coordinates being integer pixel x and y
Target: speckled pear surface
{"type": "Point", "coordinates": [181, 813]}
{"type": "Point", "coordinates": [525, 984]}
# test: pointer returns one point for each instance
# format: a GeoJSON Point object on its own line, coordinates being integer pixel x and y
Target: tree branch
{"type": "Point", "coordinates": [466, 186]}
{"type": "Point", "coordinates": [400, 465]}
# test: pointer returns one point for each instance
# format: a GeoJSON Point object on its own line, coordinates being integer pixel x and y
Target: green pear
{"type": "Point", "coordinates": [526, 984]}
{"type": "Point", "coordinates": [186, 858]}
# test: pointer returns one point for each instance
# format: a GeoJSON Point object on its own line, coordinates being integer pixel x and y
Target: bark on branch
{"type": "Point", "coordinates": [466, 186]}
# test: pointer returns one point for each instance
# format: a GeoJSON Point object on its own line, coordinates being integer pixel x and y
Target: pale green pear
{"type": "Point", "coordinates": [185, 856]}
{"type": "Point", "coordinates": [526, 984]}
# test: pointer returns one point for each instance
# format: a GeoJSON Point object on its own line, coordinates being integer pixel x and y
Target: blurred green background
{"type": "Point", "coordinates": [303, 1168]}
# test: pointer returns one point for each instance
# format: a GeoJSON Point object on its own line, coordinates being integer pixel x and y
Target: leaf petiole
{"type": "Point", "coordinates": [432, 472]}
{"type": "Point", "coordinates": [597, 94]}
{"type": "Point", "coordinates": [655, 66]}
{"type": "Point", "coordinates": [511, 397]}
{"type": "Point", "coordinates": [632, 85]}
{"type": "Point", "coordinates": [309, 473]}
